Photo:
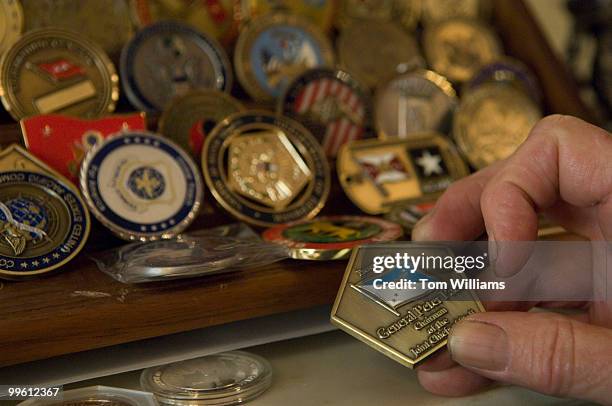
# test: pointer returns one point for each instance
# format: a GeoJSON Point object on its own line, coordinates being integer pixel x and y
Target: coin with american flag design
{"type": "Point", "coordinates": [331, 104]}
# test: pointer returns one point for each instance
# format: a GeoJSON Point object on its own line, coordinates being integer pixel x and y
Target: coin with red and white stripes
{"type": "Point", "coordinates": [331, 104]}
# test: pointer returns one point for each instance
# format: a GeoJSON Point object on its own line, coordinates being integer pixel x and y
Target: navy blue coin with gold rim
{"type": "Point", "coordinates": [141, 186]}
{"type": "Point", "coordinates": [265, 169]}
{"type": "Point", "coordinates": [43, 224]}
{"type": "Point", "coordinates": [168, 59]}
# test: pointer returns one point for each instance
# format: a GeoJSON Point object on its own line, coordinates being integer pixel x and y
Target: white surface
{"type": "Point", "coordinates": [163, 350]}
{"type": "Point", "coordinates": [335, 369]}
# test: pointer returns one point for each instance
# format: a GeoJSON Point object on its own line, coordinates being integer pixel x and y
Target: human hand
{"type": "Point", "coordinates": [563, 170]}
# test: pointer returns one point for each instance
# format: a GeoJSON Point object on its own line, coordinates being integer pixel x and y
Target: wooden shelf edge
{"type": "Point", "coordinates": [85, 309]}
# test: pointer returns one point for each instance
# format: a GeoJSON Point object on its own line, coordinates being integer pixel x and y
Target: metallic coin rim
{"type": "Point", "coordinates": [522, 73]}
{"type": "Point", "coordinates": [173, 109]}
{"type": "Point", "coordinates": [248, 36]}
{"type": "Point", "coordinates": [438, 80]}
{"type": "Point", "coordinates": [345, 42]}
{"type": "Point", "coordinates": [485, 9]}
{"type": "Point", "coordinates": [301, 81]}
{"type": "Point", "coordinates": [334, 251]}
{"type": "Point", "coordinates": [220, 128]}
{"type": "Point", "coordinates": [429, 42]}
{"type": "Point", "coordinates": [441, 141]}
{"type": "Point", "coordinates": [51, 176]}
{"type": "Point", "coordinates": [109, 74]}
{"type": "Point", "coordinates": [366, 338]}
{"type": "Point", "coordinates": [130, 235]}
{"type": "Point", "coordinates": [459, 135]}
{"type": "Point", "coordinates": [131, 89]}
{"type": "Point", "coordinates": [12, 7]}
{"type": "Point", "coordinates": [248, 390]}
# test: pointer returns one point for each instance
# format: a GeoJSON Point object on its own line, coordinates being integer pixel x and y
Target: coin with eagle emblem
{"type": "Point", "coordinates": [43, 220]}
{"type": "Point", "coordinates": [275, 48]}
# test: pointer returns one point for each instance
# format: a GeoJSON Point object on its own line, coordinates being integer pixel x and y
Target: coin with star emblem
{"type": "Point", "coordinates": [55, 71]}
{"type": "Point", "coordinates": [141, 186]}
{"type": "Point", "coordinates": [332, 237]}
{"type": "Point", "coordinates": [379, 174]}
{"type": "Point", "coordinates": [105, 22]}
{"type": "Point", "coordinates": [11, 23]}
{"type": "Point", "coordinates": [43, 221]}
{"type": "Point", "coordinates": [275, 48]}
{"type": "Point", "coordinates": [374, 51]}
{"type": "Point", "coordinates": [265, 169]}
{"type": "Point", "coordinates": [168, 59]}
{"type": "Point", "coordinates": [414, 102]}
{"type": "Point", "coordinates": [330, 103]}
{"type": "Point", "coordinates": [492, 121]}
{"type": "Point", "coordinates": [188, 118]}
{"type": "Point", "coordinates": [458, 47]}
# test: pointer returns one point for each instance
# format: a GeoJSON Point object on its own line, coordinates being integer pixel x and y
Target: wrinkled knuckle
{"type": "Point", "coordinates": [557, 359]}
{"type": "Point", "coordinates": [554, 126]}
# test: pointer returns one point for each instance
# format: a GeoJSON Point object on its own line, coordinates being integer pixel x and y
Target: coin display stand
{"type": "Point", "coordinates": [75, 318]}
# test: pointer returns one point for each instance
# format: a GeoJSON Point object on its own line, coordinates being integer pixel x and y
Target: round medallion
{"type": "Point", "coordinates": [11, 23]}
{"type": "Point", "coordinates": [43, 224]}
{"type": "Point", "coordinates": [169, 59]}
{"type": "Point", "coordinates": [141, 186]}
{"type": "Point", "coordinates": [331, 104]}
{"type": "Point", "coordinates": [457, 48]}
{"type": "Point", "coordinates": [220, 379]}
{"type": "Point", "coordinates": [492, 122]}
{"type": "Point", "coordinates": [414, 102]}
{"type": "Point", "coordinates": [327, 238]}
{"type": "Point", "coordinates": [189, 118]}
{"type": "Point", "coordinates": [274, 49]}
{"type": "Point", "coordinates": [509, 71]}
{"type": "Point", "coordinates": [375, 51]}
{"type": "Point", "coordinates": [433, 11]}
{"type": "Point", "coordinates": [53, 71]}
{"type": "Point", "coordinates": [212, 17]}
{"type": "Point", "coordinates": [104, 22]}
{"type": "Point", "coordinates": [265, 169]}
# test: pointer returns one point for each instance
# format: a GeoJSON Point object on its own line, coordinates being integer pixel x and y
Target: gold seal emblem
{"type": "Point", "coordinates": [457, 48]}
{"type": "Point", "coordinates": [492, 121]}
{"type": "Point", "coordinates": [265, 169]}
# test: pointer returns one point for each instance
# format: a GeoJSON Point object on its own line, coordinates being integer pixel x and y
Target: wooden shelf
{"type": "Point", "coordinates": [81, 308]}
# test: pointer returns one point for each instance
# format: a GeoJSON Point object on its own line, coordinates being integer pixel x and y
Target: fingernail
{"type": "Point", "coordinates": [493, 249]}
{"type": "Point", "coordinates": [475, 344]}
{"type": "Point", "coordinates": [420, 232]}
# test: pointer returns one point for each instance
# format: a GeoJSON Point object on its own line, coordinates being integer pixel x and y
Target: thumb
{"type": "Point", "coordinates": [545, 352]}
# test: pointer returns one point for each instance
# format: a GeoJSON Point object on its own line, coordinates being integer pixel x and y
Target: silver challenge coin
{"type": "Point", "coordinates": [412, 103]}
{"type": "Point", "coordinates": [227, 378]}
{"type": "Point", "coordinates": [141, 186]}
{"type": "Point", "coordinates": [168, 59]}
